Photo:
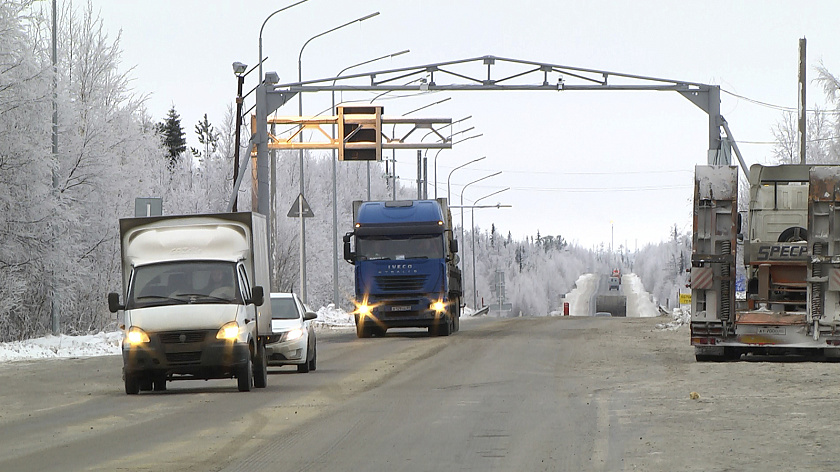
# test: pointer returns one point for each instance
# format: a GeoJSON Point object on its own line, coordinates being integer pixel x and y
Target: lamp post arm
{"type": "Point", "coordinates": [448, 187]}
{"type": "Point", "coordinates": [300, 55]}
{"type": "Point", "coordinates": [263, 26]}
{"type": "Point", "coordinates": [490, 195]}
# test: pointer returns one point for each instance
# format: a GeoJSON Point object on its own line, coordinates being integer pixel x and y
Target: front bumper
{"type": "Point", "coordinates": [193, 354]}
{"type": "Point", "coordinates": [405, 312]}
{"type": "Point", "coordinates": [287, 352]}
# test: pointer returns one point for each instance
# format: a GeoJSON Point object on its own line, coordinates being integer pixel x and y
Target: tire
{"type": "Point", "coordinates": [132, 384]}
{"type": "Point", "coordinates": [159, 384]}
{"type": "Point", "coordinates": [260, 367]}
{"type": "Point", "coordinates": [456, 318]}
{"type": "Point", "coordinates": [304, 368]}
{"type": "Point", "coordinates": [442, 327]}
{"type": "Point", "coordinates": [793, 234]}
{"type": "Point", "coordinates": [146, 384]}
{"type": "Point", "coordinates": [314, 358]}
{"type": "Point", "coordinates": [245, 379]}
{"type": "Point", "coordinates": [363, 330]}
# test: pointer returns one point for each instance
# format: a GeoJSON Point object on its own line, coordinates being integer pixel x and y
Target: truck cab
{"type": "Point", "coordinates": [406, 272]}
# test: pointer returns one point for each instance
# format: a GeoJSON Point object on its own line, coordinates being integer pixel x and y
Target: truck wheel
{"type": "Point", "coordinates": [456, 318]}
{"type": "Point", "coordinates": [363, 330]}
{"type": "Point", "coordinates": [246, 377]}
{"type": "Point", "coordinates": [132, 384]}
{"type": "Point", "coordinates": [261, 368]}
{"type": "Point", "coordinates": [442, 327]}
{"type": "Point", "coordinates": [146, 384]}
{"type": "Point", "coordinates": [159, 384]}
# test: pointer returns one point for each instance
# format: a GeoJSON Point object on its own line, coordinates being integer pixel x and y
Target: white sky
{"type": "Point", "coordinates": [579, 164]}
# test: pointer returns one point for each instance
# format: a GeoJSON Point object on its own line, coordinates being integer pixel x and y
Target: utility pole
{"type": "Point", "coordinates": [54, 303]}
{"type": "Point", "coordinates": [802, 103]}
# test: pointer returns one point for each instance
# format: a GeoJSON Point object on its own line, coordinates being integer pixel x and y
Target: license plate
{"type": "Point", "coordinates": [777, 331]}
{"type": "Point", "coordinates": [401, 308]}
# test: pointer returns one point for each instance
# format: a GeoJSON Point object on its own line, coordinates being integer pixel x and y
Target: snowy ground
{"type": "Point", "coordinates": [329, 317]}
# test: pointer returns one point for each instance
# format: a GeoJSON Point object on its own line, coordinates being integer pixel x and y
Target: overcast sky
{"type": "Point", "coordinates": [590, 166]}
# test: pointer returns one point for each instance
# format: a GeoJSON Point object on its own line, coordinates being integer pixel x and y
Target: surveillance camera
{"type": "Point", "coordinates": [272, 77]}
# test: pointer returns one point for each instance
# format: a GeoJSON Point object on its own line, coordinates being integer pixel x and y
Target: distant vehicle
{"type": "Point", "coordinates": [603, 313]}
{"type": "Point", "coordinates": [406, 267]}
{"type": "Point", "coordinates": [616, 273]}
{"type": "Point", "coordinates": [292, 340]}
{"type": "Point", "coordinates": [615, 283]}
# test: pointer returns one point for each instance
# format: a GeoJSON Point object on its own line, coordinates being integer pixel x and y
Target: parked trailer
{"type": "Point", "coordinates": [791, 243]}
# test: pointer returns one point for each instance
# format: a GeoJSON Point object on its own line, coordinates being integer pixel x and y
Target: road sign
{"type": "Point", "coordinates": [152, 206]}
{"type": "Point", "coordinates": [300, 205]}
{"type": "Point", "coordinates": [685, 299]}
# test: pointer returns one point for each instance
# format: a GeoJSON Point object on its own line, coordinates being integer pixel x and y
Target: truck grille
{"type": "Point", "coordinates": [400, 283]}
{"type": "Point", "coordinates": [174, 337]}
{"type": "Point", "coordinates": [183, 357]}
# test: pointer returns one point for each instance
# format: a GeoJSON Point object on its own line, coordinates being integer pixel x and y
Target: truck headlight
{"type": "Point", "coordinates": [363, 309]}
{"type": "Point", "coordinates": [292, 335]}
{"type": "Point", "coordinates": [228, 331]}
{"type": "Point", "coordinates": [438, 306]}
{"type": "Point", "coordinates": [136, 335]}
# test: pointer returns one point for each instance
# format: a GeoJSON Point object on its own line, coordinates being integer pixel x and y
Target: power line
{"type": "Point", "coordinates": [779, 107]}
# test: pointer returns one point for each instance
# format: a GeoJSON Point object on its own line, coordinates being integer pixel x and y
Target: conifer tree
{"type": "Point", "coordinates": [172, 136]}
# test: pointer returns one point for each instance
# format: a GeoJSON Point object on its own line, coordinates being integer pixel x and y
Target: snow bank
{"type": "Point", "coordinates": [679, 317]}
{"type": "Point", "coordinates": [102, 344]}
{"type": "Point", "coordinates": [638, 300]}
{"type": "Point", "coordinates": [578, 298]}
{"type": "Point", "coordinates": [331, 316]}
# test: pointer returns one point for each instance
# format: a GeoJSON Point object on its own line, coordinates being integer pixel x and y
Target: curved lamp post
{"type": "Point", "coordinates": [261, 32]}
{"type": "Point", "coordinates": [300, 160]}
{"type": "Point", "coordinates": [448, 188]}
{"type": "Point", "coordinates": [462, 204]}
{"type": "Point", "coordinates": [450, 174]}
{"type": "Point", "coordinates": [472, 223]}
{"type": "Point", "coordinates": [334, 189]}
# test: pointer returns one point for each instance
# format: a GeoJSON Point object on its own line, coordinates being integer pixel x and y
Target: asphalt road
{"type": "Point", "coordinates": [525, 394]}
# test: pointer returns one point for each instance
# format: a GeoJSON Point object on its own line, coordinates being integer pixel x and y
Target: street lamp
{"type": "Point", "coordinates": [263, 26]}
{"type": "Point", "coordinates": [300, 160]}
{"type": "Point", "coordinates": [448, 188]}
{"type": "Point", "coordinates": [462, 204]}
{"type": "Point", "coordinates": [239, 70]}
{"type": "Point", "coordinates": [335, 190]}
{"type": "Point", "coordinates": [472, 224]}
{"type": "Point", "coordinates": [453, 170]}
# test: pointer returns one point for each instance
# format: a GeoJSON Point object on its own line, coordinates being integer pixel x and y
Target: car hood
{"type": "Point", "coordinates": [281, 326]}
{"type": "Point", "coordinates": [187, 316]}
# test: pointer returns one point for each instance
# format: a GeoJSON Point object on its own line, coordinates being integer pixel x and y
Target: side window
{"type": "Point", "coordinates": [244, 285]}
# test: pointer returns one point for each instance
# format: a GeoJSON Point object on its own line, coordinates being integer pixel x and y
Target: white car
{"type": "Point", "coordinates": [292, 340]}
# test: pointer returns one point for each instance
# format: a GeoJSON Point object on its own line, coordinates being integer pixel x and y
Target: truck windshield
{"type": "Point", "coordinates": [173, 283]}
{"type": "Point", "coordinates": [400, 248]}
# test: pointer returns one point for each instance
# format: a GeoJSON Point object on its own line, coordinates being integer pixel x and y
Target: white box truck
{"type": "Point", "coordinates": [194, 290]}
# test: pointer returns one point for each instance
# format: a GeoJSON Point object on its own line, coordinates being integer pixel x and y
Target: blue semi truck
{"type": "Point", "coordinates": [406, 267]}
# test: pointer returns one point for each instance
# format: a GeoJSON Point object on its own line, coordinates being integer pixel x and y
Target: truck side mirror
{"type": "Point", "coordinates": [257, 295]}
{"type": "Point", "coordinates": [114, 302]}
{"type": "Point", "coordinates": [349, 256]}
{"type": "Point", "coordinates": [453, 245]}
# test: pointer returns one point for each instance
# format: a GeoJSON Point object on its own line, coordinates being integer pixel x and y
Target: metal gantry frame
{"type": "Point", "coordinates": [484, 73]}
